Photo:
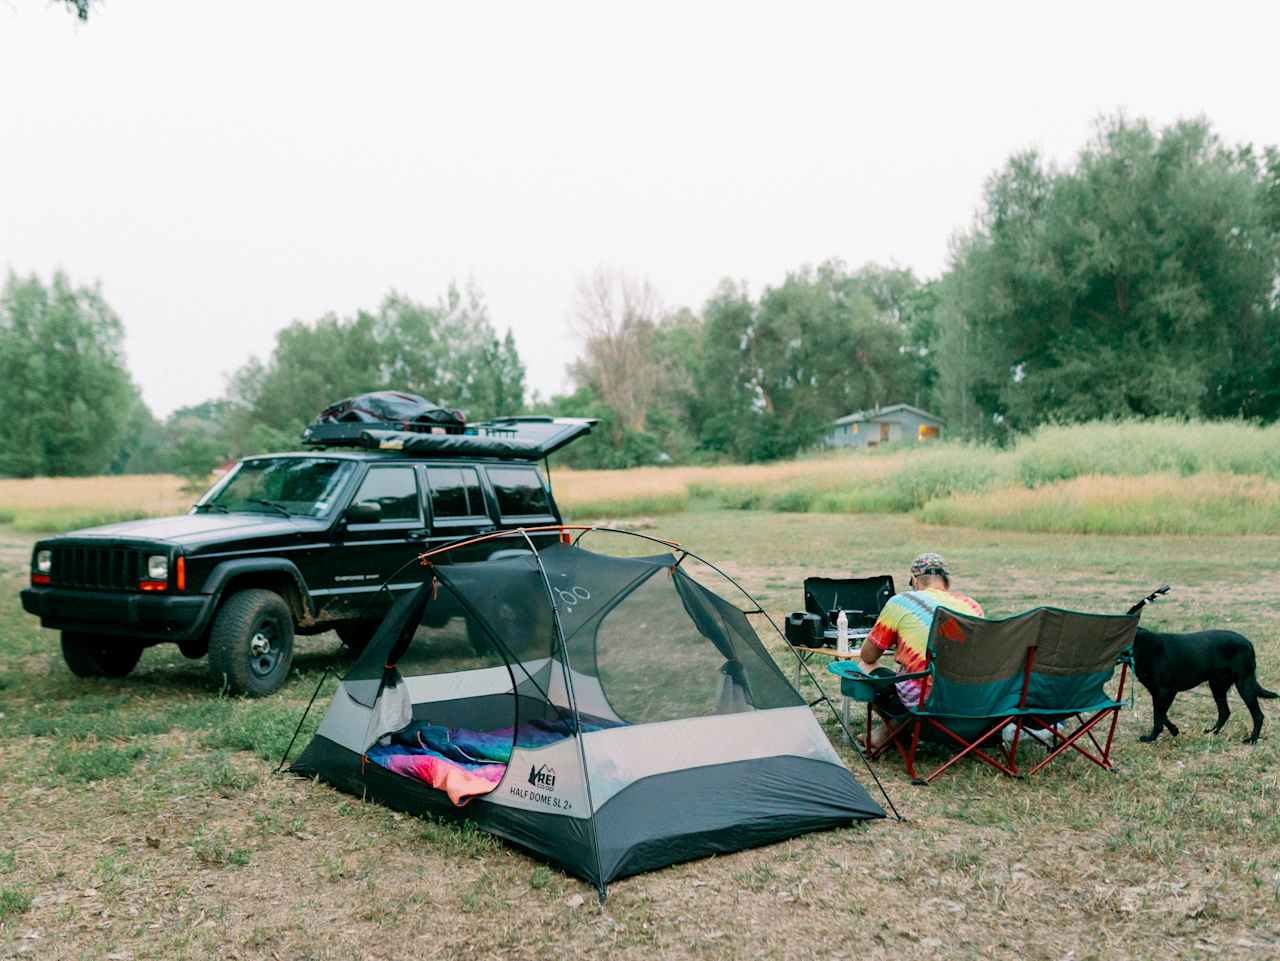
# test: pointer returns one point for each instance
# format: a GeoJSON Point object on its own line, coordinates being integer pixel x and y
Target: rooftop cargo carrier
{"type": "Point", "coordinates": [341, 423]}
{"type": "Point", "coordinates": [393, 420]}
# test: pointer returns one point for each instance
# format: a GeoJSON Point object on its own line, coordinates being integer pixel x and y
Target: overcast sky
{"type": "Point", "coordinates": [225, 168]}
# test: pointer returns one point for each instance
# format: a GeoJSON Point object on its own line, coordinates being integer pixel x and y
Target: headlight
{"type": "Point", "coordinates": [44, 562]}
{"type": "Point", "coordinates": [158, 567]}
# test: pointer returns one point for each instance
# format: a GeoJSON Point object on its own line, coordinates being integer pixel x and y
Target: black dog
{"type": "Point", "coordinates": [1168, 663]}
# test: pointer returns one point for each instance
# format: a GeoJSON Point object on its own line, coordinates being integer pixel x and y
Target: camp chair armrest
{"type": "Point", "coordinates": [846, 669]}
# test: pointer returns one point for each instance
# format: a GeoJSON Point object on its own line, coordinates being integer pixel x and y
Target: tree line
{"type": "Point", "coordinates": [1142, 279]}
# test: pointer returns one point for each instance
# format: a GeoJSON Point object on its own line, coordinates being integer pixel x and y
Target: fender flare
{"type": "Point", "coordinates": [215, 584]}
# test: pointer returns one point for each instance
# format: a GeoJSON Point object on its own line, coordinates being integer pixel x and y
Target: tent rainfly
{"type": "Point", "coordinates": [609, 714]}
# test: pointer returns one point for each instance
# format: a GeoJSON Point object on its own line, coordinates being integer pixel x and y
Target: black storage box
{"type": "Point", "coordinates": [804, 629]}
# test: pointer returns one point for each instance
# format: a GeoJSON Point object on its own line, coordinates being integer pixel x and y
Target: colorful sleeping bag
{"type": "Point", "coordinates": [465, 763]}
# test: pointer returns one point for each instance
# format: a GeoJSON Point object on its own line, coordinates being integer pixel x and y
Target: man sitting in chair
{"type": "Point", "coordinates": [905, 622]}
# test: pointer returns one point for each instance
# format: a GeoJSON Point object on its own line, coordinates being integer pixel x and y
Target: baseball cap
{"type": "Point", "coordinates": [930, 564]}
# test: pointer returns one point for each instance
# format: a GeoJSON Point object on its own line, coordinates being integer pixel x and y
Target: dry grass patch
{"type": "Point", "coordinates": [40, 504]}
{"type": "Point", "coordinates": [668, 490]}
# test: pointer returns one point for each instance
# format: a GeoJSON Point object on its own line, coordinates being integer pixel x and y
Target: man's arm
{"type": "Point", "coordinates": [869, 655]}
{"type": "Point", "coordinates": [882, 637]}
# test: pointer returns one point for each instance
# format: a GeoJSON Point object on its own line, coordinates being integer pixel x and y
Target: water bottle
{"type": "Point", "coordinates": [842, 633]}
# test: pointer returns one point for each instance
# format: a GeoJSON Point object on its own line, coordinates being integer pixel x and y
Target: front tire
{"type": "Point", "coordinates": [90, 656]}
{"type": "Point", "coordinates": [251, 642]}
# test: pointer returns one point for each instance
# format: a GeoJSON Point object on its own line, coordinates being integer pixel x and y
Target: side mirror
{"type": "Point", "coordinates": [365, 512]}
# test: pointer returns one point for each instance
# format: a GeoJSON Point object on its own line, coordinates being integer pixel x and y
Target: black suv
{"type": "Point", "coordinates": [295, 543]}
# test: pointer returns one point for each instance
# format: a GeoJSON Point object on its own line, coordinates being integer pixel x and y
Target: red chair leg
{"type": "Point", "coordinates": [1070, 741]}
{"type": "Point", "coordinates": [973, 747]}
{"type": "Point", "coordinates": [910, 756]}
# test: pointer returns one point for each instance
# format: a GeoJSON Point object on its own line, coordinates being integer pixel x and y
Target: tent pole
{"type": "Point", "coordinates": [772, 623]}
{"type": "Point", "coordinates": [302, 720]}
{"type": "Point", "coordinates": [601, 888]}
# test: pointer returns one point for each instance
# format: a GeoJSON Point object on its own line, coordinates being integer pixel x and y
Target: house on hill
{"type": "Point", "coordinates": [894, 424]}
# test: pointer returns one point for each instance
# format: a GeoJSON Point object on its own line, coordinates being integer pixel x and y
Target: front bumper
{"type": "Point", "coordinates": [161, 617]}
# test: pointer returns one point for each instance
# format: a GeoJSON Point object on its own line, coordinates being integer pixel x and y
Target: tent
{"type": "Point", "coordinates": [610, 714]}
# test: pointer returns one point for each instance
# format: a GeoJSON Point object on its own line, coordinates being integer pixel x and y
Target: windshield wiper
{"type": "Point", "coordinates": [270, 504]}
{"type": "Point", "coordinates": [220, 508]}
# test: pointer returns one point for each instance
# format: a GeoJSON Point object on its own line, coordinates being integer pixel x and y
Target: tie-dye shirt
{"type": "Point", "coordinates": [905, 621]}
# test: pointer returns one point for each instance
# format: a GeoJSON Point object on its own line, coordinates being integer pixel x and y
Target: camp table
{"type": "Point", "coordinates": [805, 654]}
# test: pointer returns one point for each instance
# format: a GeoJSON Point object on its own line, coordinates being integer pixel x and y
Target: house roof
{"type": "Point", "coordinates": [879, 413]}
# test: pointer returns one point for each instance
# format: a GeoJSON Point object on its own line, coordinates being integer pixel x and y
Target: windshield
{"type": "Point", "coordinates": [298, 486]}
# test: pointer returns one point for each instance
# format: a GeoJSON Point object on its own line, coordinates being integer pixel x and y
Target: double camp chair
{"type": "Point", "coordinates": [1032, 672]}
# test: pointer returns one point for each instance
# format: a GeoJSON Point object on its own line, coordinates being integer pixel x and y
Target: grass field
{"type": "Point", "coordinates": [1148, 477]}
{"type": "Point", "coordinates": [142, 820]}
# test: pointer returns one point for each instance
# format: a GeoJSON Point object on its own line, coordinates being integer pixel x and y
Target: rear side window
{"type": "Point", "coordinates": [519, 490]}
{"type": "Point", "coordinates": [455, 492]}
{"type": "Point", "coordinates": [395, 490]}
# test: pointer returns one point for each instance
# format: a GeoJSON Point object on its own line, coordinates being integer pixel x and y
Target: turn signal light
{"type": "Point", "coordinates": [41, 579]}
{"type": "Point", "coordinates": [180, 576]}
{"type": "Point", "coordinates": [152, 585]}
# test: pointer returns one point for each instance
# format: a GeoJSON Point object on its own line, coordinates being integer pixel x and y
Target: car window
{"type": "Point", "coordinates": [519, 491]}
{"type": "Point", "coordinates": [394, 489]}
{"type": "Point", "coordinates": [303, 486]}
{"type": "Point", "coordinates": [455, 492]}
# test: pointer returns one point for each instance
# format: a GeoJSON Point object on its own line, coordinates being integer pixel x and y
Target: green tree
{"type": "Point", "coordinates": [776, 372]}
{"type": "Point", "coordinates": [63, 383]}
{"type": "Point", "coordinates": [143, 444]}
{"type": "Point", "coordinates": [80, 8]}
{"type": "Point", "coordinates": [448, 353]}
{"type": "Point", "coordinates": [1139, 281]}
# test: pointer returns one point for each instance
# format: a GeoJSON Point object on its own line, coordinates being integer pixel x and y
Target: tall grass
{"type": "Point", "coordinates": [1136, 448]}
{"type": "Point", "coordinates": [1152, 504]}
{"type": "Point", "coordinates": [1160, 476]}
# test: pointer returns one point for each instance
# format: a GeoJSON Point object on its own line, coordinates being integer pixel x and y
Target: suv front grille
{"type": "Point", "coordinates": [99, 568]}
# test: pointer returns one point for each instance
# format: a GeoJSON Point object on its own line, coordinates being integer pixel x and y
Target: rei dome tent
{"type": "Point", "coordinates": [610, 714]}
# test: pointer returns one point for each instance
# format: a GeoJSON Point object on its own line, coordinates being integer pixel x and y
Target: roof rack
{"type": "Point", "coordinates": [507, 438]}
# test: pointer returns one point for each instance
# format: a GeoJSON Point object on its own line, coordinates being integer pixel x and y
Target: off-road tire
{"type": "Point", "coordinates": [246, 617]}
{"type": "Point", "coordinates": [90, 656]}
{"type": "Point", "coordinates": [356, 636]}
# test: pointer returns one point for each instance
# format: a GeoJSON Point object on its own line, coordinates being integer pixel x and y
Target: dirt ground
{"type": "Point", "coordinates": [142, 818]}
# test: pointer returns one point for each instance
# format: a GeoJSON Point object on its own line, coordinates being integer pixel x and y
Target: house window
{"type": "Point", "coordinates": [926, 432]}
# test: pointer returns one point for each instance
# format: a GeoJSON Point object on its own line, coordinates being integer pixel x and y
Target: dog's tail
{"type": "Point", "coordinates": [1249, 684]}
{"type": "Point", "coordinates": [1149, 599]}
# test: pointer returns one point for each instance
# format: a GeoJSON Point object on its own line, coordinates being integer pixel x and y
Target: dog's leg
{"type": "Point", "coordinates": [1159, 708]}
{"type": "Point", "coordinates": [1247, 688]}
{"type": "Point", "coordinates": [1219, 689]}
{"type": "Point", "coordinates": [1168, 703]}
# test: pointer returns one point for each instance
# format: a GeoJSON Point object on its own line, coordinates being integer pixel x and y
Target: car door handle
{"type": "Point", "coordinates": [419, 535]}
